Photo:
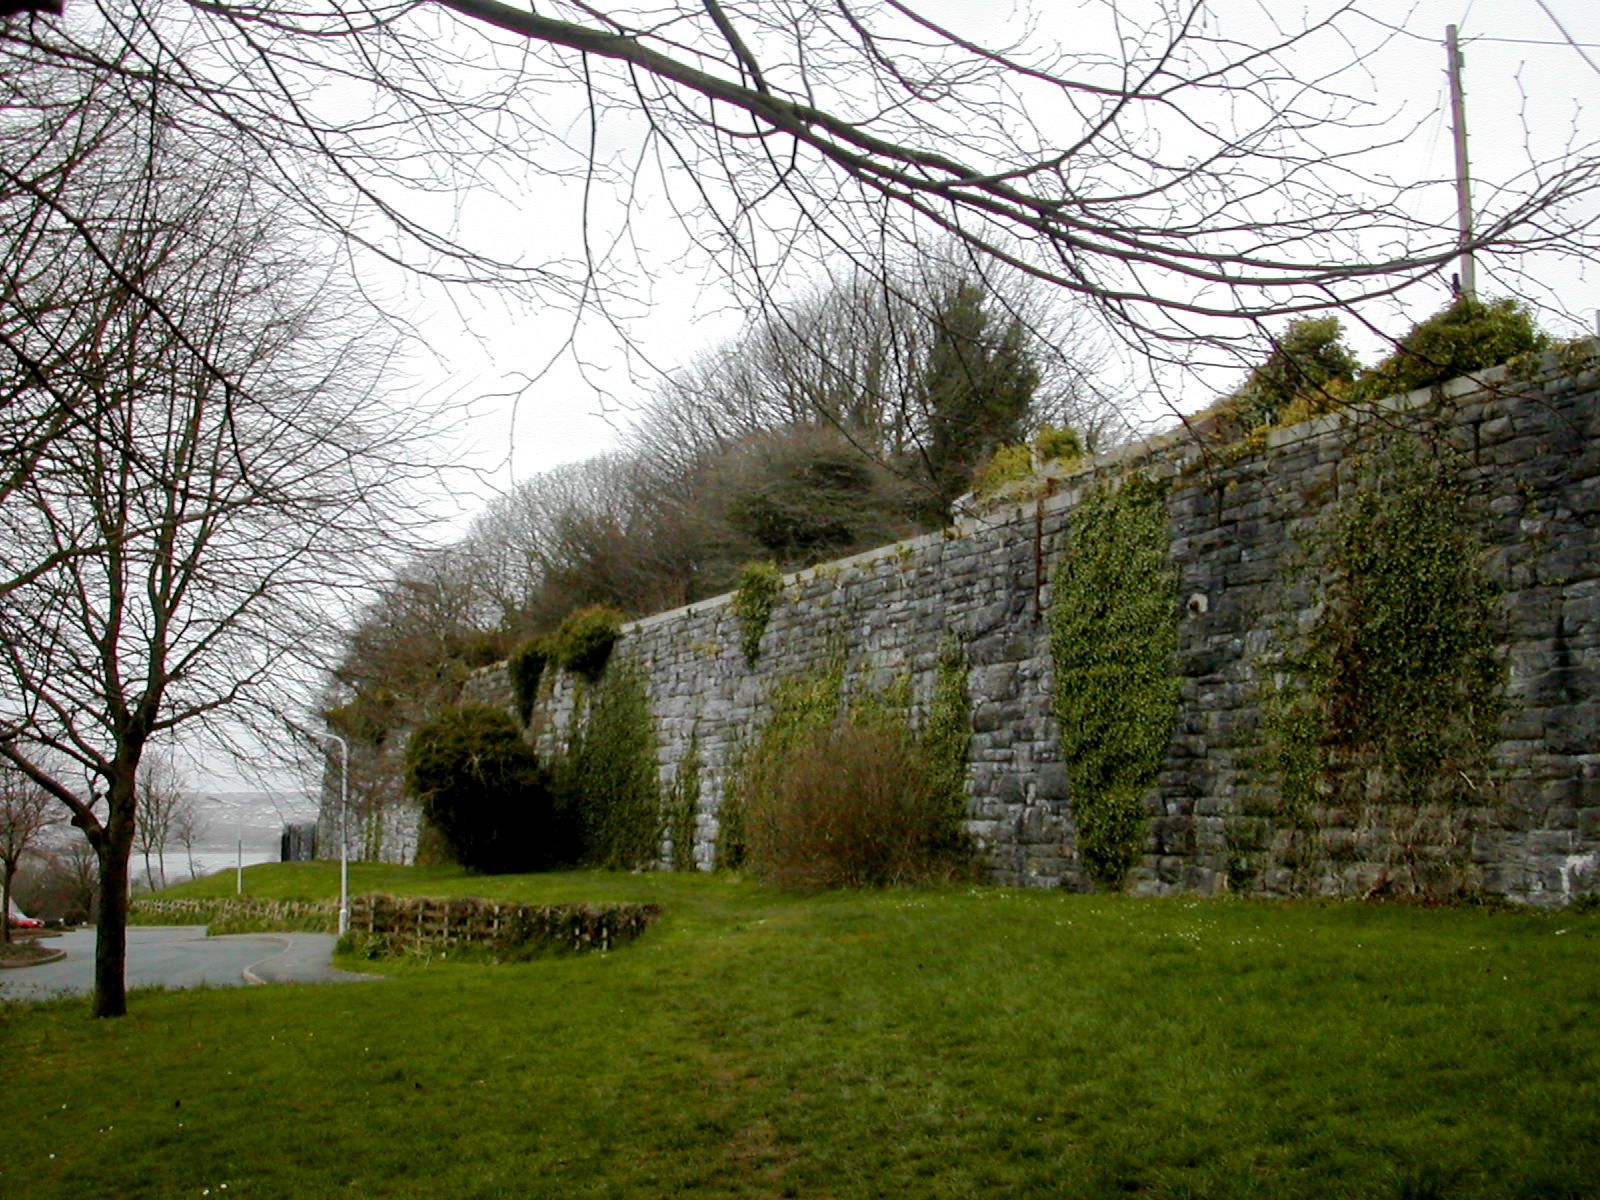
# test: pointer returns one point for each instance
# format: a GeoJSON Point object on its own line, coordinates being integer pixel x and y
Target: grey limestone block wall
{"type": "Point", "coordinates": [1525, 445]}
{"type": "Point", "coordinates": [383, 824]}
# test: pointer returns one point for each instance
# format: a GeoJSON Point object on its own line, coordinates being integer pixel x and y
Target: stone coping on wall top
{"type": "Point", "coordinates": [1170, 453]}
{"type": "Point", "coordinates": [1177, 449]}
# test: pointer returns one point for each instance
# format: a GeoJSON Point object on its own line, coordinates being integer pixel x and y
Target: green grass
{"type": "Point", "coordinates": [971, 1042]}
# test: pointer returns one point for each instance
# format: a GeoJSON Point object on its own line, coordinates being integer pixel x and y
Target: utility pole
{"type": "Point", "coordinates": [1458, 123]}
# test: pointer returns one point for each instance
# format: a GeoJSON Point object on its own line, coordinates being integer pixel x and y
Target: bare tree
{"type": "Point", "coordinates": [26, 811]}
{"type": "Point", "coordinates": [80, 870]}
{"type": "Point", "coordinates": [187, 827]}
{"type": "Point", "coordinates": [173, 548]}
{"type": "Point", "coordinates": [160, 799]}
{"type": "Point", "coordinates": [1172, 166]}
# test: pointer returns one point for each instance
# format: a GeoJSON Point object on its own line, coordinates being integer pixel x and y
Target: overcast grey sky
{"type": "Point", "coordinates": [1530, 95]}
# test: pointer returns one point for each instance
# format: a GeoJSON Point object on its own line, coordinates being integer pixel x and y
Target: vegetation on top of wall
{"type": "Point", "coordinates": [1311, 370]}
{"type": "Point", "coordinates": [608, 778]}
{"type": "Point", "coordinates": [1467, 336]}
{"type": "Point", "coordinates": [583, 641]}
{"type": "Point", "coordinates": [1397, 697]}
{"type": "Point", "coordinates": [1308, 372]}
{"type": "Point", "coordinates": [482, 789]}
{"type": "Point", "coordinates": [1058, 443]}
{"type": "Point", "coordinates": [1011, 464]}
{"type": "Point", "coordinates": [1007, 465]}
{"type": "Point", "coordinates": [1113, 638]}
{"type": "Point", "coordinates": [525, 668]}
{"type": "Point", "coordinates": [760, 584]}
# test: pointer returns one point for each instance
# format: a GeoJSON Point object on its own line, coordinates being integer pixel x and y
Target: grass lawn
{"type": "Point", "coordinates": [969, 1042]}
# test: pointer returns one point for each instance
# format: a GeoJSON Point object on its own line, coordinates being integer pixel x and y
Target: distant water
{"type": "Point", "coordinates": [229, 821]}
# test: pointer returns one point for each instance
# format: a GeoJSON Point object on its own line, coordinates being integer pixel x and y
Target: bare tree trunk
{"type": "Point", "coordinates": [111, 936]}
{"type": "Point", "coordinates": [5, 908]}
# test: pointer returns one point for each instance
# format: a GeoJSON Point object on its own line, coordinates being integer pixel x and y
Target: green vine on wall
{"type": "Point", "coordinates": [731, 844]}
{"type": "Point", "coordinates": [683, 802]}
{"type": "Point", "coordinates": [946, 734]}
{"type": "Point", "coordinates": [609, 778]}
{"type": "Point", "coordinates": [525, 668]}
{"type": "Point", "coordinates": [760, 584]}
{"type": "Point", "coordinates": [1398, 694]}
{"type": "Point", "coordinates": [1113, 637]}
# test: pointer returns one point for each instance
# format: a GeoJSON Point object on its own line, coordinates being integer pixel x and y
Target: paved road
{"type": "Point", "coordinates": [181, 956]}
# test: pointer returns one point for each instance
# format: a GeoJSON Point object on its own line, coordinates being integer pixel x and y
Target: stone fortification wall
{"type": "Point", "coordinates": [1526, 445]}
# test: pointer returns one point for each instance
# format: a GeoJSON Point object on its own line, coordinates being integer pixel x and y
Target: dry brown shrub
{"type": "Point", "coordinates": [851, 805]}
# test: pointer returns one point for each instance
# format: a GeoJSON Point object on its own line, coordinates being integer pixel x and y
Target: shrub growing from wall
{"type": "Point", "coordinates": [1113, 637]}
{"type": "Point", "coordinates": [525, 669]}
{"type": "Point", "coordinates": [851, 804]}
{"type": "Point", "coordinates": [760, 584]}
{"type": "Point", "coordinates": [798, 705]}
{"type": "Point", "coordinates": [831, 795]}
{"type": "Point", "coordinates": [582, 644]}
{"type": "Point", "coordinates": [481, 787]}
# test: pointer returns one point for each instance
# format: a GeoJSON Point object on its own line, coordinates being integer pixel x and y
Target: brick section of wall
{"type": "Point", "coordinates": [1529, 444]}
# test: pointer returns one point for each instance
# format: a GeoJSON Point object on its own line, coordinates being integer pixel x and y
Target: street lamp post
{"type": "Point", "coordinates": [344, 832]}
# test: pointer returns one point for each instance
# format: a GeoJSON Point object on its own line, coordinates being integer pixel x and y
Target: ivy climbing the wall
{"type": "Point", "coordinates": [608, 779]}
{"type": "Point", "coordinates": [946, 738]}
{"type": "Point", "coordinates": [1397, 695]}
{"type": "Point", "coordinates": [1113, 637]}
{"type": "Point", "coordinates": [683, 802]}
{"type": "Point", "coordinates": [753, 601]}
{"type": "Point", "coordinates": [525, 668]}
